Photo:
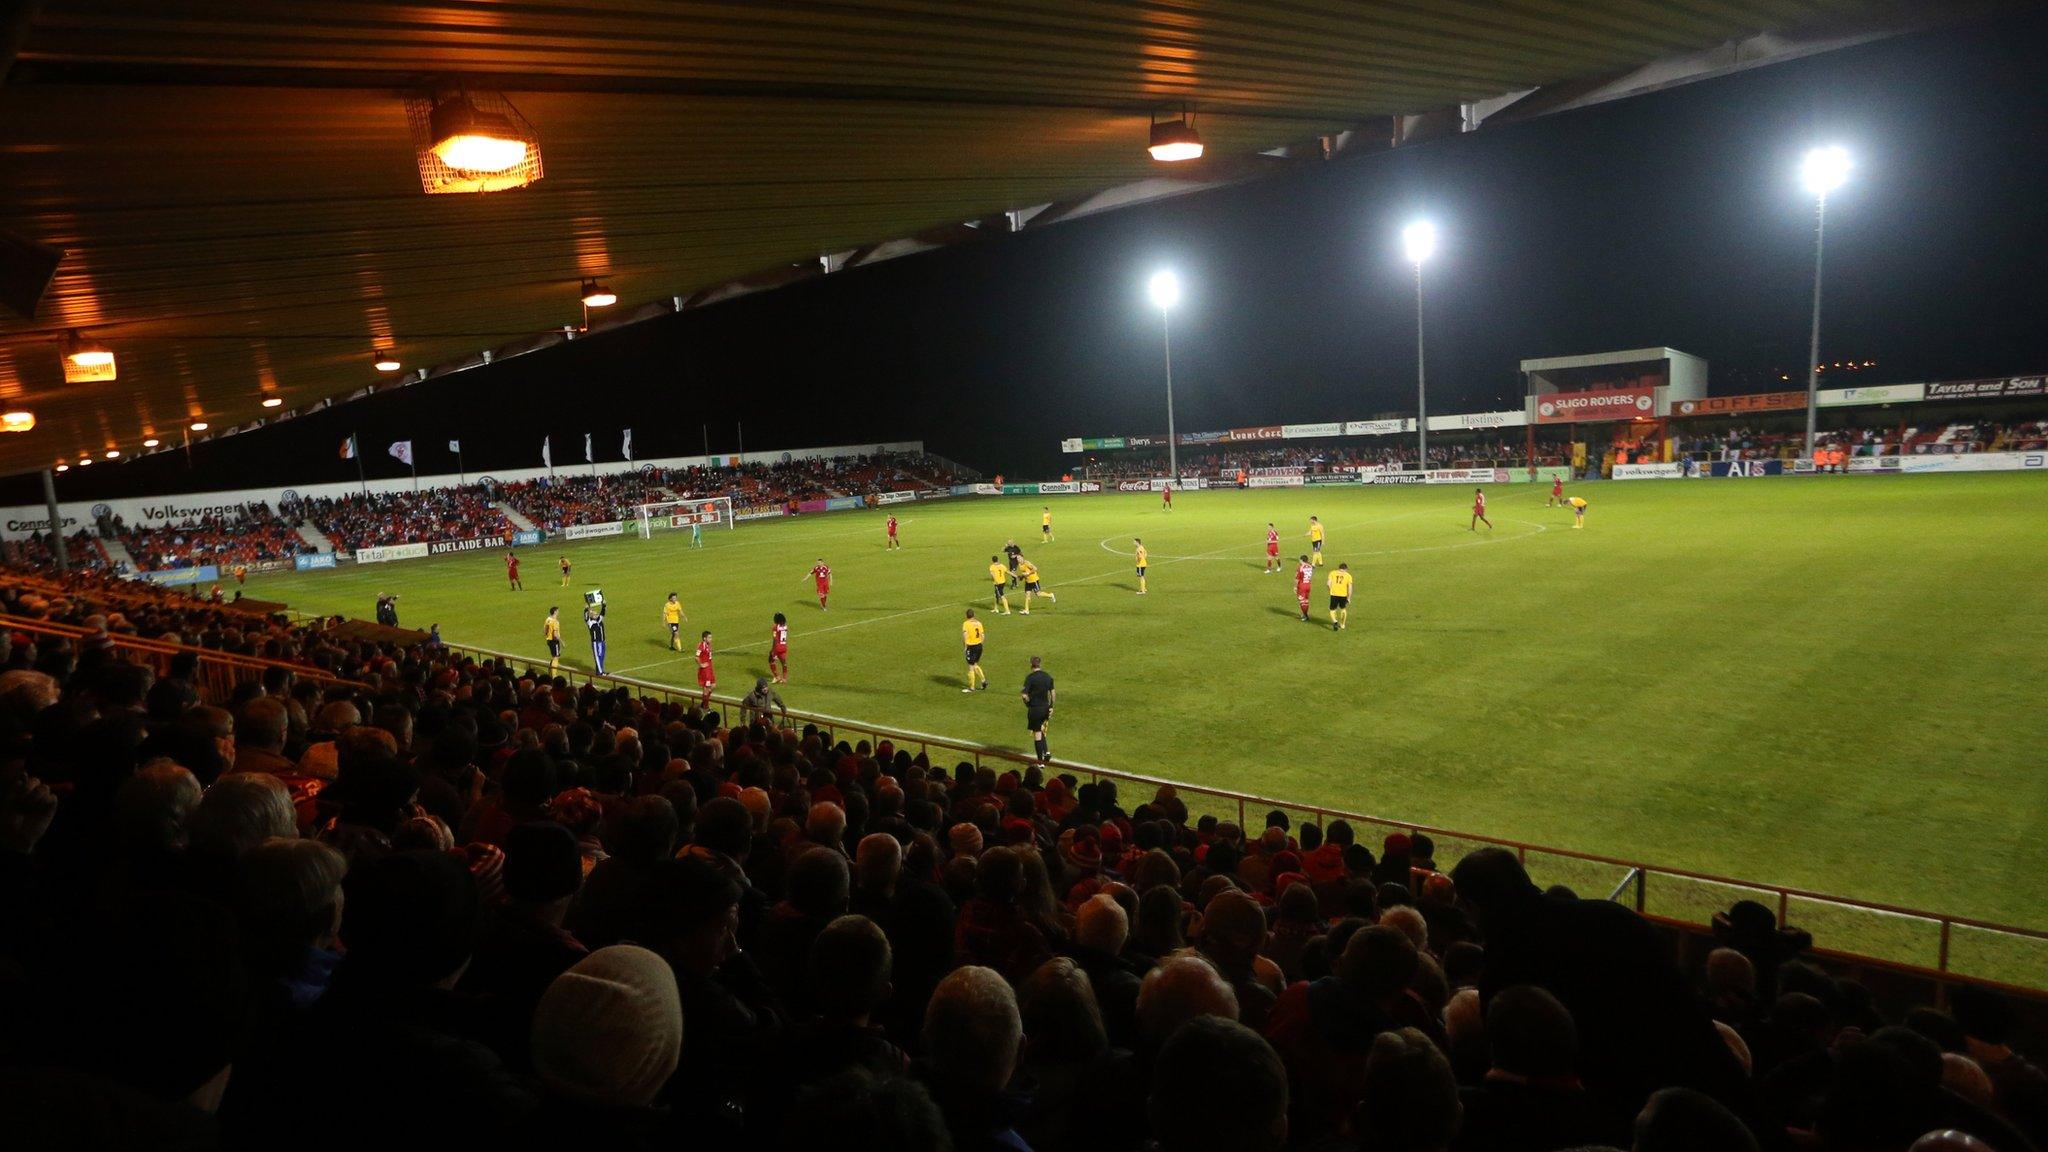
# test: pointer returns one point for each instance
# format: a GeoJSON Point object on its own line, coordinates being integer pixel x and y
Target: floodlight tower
{"type": "Point", "coordinates": [1419, 239]}
{"type": "Point", "coordinates": [1165, 291]}
{"type": "Point", "coordinates": [1823, 171]}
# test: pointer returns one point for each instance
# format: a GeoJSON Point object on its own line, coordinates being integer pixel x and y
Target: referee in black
{"type": "Point", "coordinates": [1038, 696]}
{"type": "Point", "coordinates": [1011, 551]}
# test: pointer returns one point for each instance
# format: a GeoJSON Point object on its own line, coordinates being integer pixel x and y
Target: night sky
{"type": "Point", "coordinates": [1672, 219]}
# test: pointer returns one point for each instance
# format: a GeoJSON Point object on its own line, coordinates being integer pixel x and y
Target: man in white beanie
{"type": "Point", "coordinates": [606, 1037]}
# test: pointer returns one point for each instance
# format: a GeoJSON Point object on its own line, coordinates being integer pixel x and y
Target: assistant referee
{"type": "Point", "coordinates": [1038, 696]}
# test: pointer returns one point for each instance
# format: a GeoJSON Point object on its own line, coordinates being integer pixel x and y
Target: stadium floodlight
{"type": "Point", "coordinates": [1165, 291]}
{"type": "Point", "coordinates": [151, 442]}
{"type": "Point", "coordinates": [385, 360]}
{"type": "Point", "coordinates": [596, 295]}
{"type": "Point", "coordinates": [63, 467]}
{"type": "Point", "coordinates": [273, 402]}
{"type": "Point", "coordinates": [20, 420]}
{"type": "Point", "coordinates": [113, 453]}
{"type": "Point", "coordinates": [1419, 240]}
{"type": "Point", "coordinates": [199, 425]}
{"type": "Point", "coordinates": [1823, 171]}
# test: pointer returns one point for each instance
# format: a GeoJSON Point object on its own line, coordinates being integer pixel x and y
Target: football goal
{"type": "Point", "coordinates": [704, 511]}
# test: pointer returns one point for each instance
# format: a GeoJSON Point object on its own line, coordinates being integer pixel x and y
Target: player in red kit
{"type": "Point", "coordinates": [1304, 582]}
{"type": "Point", "coordinates": [1272, 547]}
{"type": "Point", "coordinates": [821, 575]}
{"type": "Point", "coordinates": [707, 677]}
{"type": "Point", "coordinates": [1479, 511]}
{"type": "Point", "coordinates": [778, 650]}
{"type": "Point", "coordinates": [1556, 492]}
{"type": "Point", "coordinates": [893, 542]}
{"type": "Point", "coordinates": [1166, 497]}
{"type": "Point", "coordinates": [512, 571]}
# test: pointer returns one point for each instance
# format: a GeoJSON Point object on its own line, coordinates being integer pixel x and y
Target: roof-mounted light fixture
{"type": "Point", "coordinates": [471, 141]}
{"type": "Point", "coordinates": [87, 361]}
{"type": "Point", "coordinates": [385, 360]}
{"type": "Point", "coordinates": [597, 295]}
{"type": "Point", "coordinates": [1176, 139]}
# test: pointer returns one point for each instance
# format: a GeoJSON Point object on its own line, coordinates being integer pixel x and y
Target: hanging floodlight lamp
{"type": "Point", "coordinates": [87, 361]}
{"type": "Point", "coordinates": [471, 141]}
{"type": "Point", "coordinates": [1176, 139]}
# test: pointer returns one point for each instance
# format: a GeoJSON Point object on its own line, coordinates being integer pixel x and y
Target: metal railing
{"type": "Point", "coordinates": [1917, 941]}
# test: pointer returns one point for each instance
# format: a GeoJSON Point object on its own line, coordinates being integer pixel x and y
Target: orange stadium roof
{"type": "Point", "coordinates": [236, 192]}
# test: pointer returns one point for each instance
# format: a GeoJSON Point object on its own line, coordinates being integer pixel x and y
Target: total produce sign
{"type": "Point", "coordinates": [1595, 404]}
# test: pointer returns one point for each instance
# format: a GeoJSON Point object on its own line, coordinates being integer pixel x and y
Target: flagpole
{"type": "Point", "coordinates": [355, 441]}
{"type": "Point", "coordinates": [462, 474]}
{"type": "Point", "coordinates": [413, 459]}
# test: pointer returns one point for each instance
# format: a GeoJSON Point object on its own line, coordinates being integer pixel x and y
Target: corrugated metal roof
{"type": "Point", "coordinates": [235, 186]}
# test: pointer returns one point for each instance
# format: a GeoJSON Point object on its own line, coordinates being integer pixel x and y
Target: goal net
{"type": "Point", "coordinates": [704, 512]}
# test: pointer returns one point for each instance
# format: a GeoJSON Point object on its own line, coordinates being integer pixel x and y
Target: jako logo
{"type": "Point", "coordinates": [101, 511]}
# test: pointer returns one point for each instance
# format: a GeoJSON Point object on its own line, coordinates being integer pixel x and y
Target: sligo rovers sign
{"type": "Point", "coordinates": [1596, 404]}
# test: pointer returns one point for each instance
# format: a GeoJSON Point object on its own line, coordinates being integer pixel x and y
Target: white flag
{"type": "Point", "coordinates": [348, 447]}
{"type": "Point", "coordinates": [547, 459]}
{"type": "Point", "coordinates": [402, 450]}
{"type": "Point", "coordinates": [626, 449]}
{"type": "Point", "coordinates": [455, 445]}
{"type": "Point", "coordinates": [589, 457]}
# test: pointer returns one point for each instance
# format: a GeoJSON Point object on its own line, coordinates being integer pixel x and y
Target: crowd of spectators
{"type": "Point", "coordinates": [438, 903]}
{"type": "Point", "coordinates": [257, 536]}
{"type": "Point", "coordinates": [1754, 443]}
{"type": "Point", "coordinates": [369, 520]}
{"type": "Point", "coordinates": [82, 550]}
{"type": "Point", "coordinates": [557, 502]}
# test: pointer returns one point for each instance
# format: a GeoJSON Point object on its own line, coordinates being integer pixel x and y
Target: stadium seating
{"type": "Point", "coordinates": [455, 512]}
{"type": "Point", "coordinates": [382, 518]}
{"type": "Point", "coordinates": [259, 536]}
{"type": "Point", "coordinates": [1224, 461]}
{"type": "Point", "coordinates": [578, 914]}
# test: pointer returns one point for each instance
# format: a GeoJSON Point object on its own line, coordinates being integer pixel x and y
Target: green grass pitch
{"type": "Point", "coordinates": [1831, 683]}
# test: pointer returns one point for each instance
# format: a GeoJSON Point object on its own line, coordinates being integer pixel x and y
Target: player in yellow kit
{"type": "Point", "coordinates": [1578, 504]}
{"type": "Point", "coordinates": [672, 615]}
{"type": "Point", "coordinates": [972, 634]}
{"type": "Point", "coordinates": [1045, 525]}
{"type": "Point", "coordinates": [551, 631]}
{"type": "Point", "coordinates": [1028, 572]}
{"type": "Point", "coordinates": [1001, 575]}
{"type": "Point", "coordinates": [1315, 540]}
{"type": "Point", "coordinates": [1340, 597]}
{"type": "Point", "coordinates": [1138, 558]}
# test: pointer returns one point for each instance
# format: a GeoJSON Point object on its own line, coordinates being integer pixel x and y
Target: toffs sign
{"type": "Point", "coordinates": [1756, 402]}
{"type": "Point", "coordinates": [1597, 404]}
